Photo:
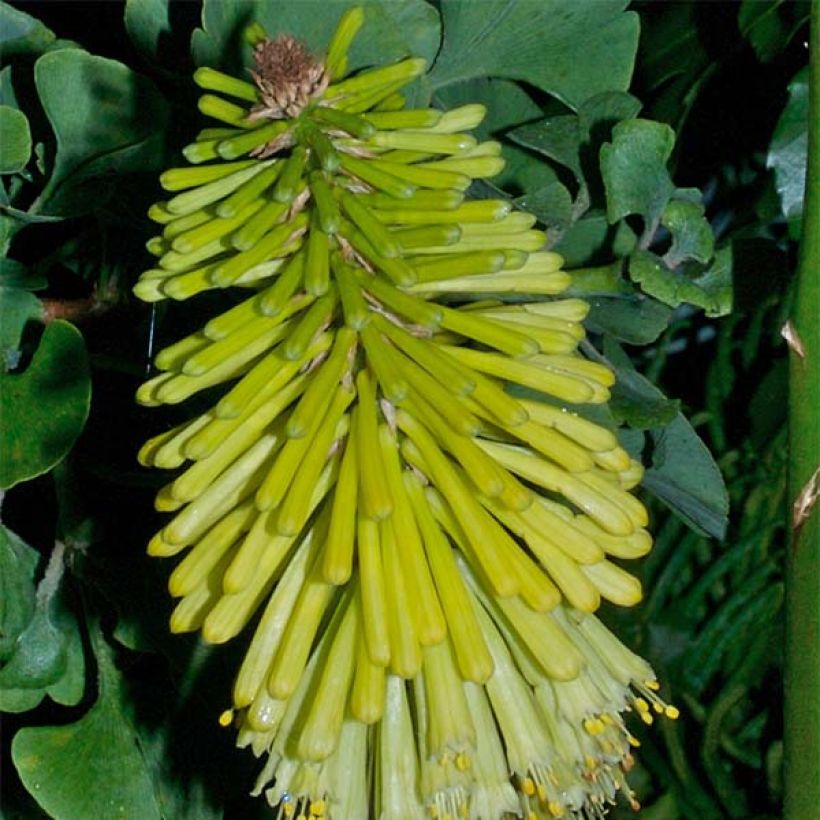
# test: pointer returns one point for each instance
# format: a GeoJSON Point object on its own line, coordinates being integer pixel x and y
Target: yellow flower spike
{"type": "Point", "coordinates": [474, 661]}
{"type": "Point", "coordinates": [295, 508]}
{"type": "Point", "coordinates": [614, 584]}
{"type": "Point", "coordinates": [319, 734]}
{"type": "Point", "coordinates": [373, 591]}
{"type": "Point", "coordinates": [204, 195]}
{"type": "Point", "coordinates": [384, 361]}
{"type": "Point", "coordinates": [402, 614]}
{"type": "Point", "coordinates": [396, 758]}
{"type": "Point", "coordinates": [428, 616]}
{"type": "Point", "coordinates": [376, 501]}
{"type": "Point", "coordinates": [367, 694]}
{"type": "Point", "coordinates": [224, 494]}
{"type": "Point", "coordinates": [337, 558]}
{"type": "Point", "coordinates": [438, 365]}
{"type": "Point", "coordinates": [565, 573]}
{"type": "Point", "coordinates": [327, 378]}
{"type": "Point", "coordinates": [294, 649]}
{"type": "Point", "coordinates": [207, 552]}
{"type": "Point", "coordinates": [490, 543]}
{"type": "Point", "coordinates": [388, 317]}
{"type": "Point", "coordinates": [190, 613]}
{"type": "Point", "coordinates": [178, 179]}
{"type": "Point", "coordinates": [380, 180]}
{"type": "Point", "coordinates": [310, 452]}
{"type": "Point", "coordinates": [255, 667]}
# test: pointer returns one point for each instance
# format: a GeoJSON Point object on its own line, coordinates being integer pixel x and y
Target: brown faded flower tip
{"type": "Point", "coordinates": [287, 76]}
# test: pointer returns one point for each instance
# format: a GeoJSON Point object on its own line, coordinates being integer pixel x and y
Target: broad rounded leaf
{"type": "Point", "coordinates": [634, 170]}
{"type": "Point", "coordinates": [685, 477]}
{"type": "Point", "coordinates": [16, 307]}
{"type": "Point", "coordinates": [45, 407]}
{"type": "Point", "coordinates": [635, 400]}
{"type": "Point", "coordinates": [18, 562]}
{"type": "Point", "coordinates": [20, 33]}
{"type": "Point", "coordinates": [692, 236]}
{"type": "Point", "coordinates": [106, 119]}
{"type": "Point", "coordinates": [789, 147]}
{"type": "Point", "coordinates": [710, 289]}
{"type": "Point", "coordinates": [636, 320]}
{"type": "Point", "coordinates": [91, 768]}
{"type": "Point", "coordinates": [15, 140]}
{"type": "Point", "coordinates": [571, 50]}
{"type": "Point", "coordinates": [392, 29]}
{"type": "Point", "coordinates": [40, 655]}
{"type": "Point", "coordinates": [146, 22]}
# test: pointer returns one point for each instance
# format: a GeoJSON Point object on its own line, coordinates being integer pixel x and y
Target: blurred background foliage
{"type": "Point", "coordinates": [661, 144]}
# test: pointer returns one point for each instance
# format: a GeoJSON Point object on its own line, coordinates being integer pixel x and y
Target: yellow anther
{"type": "Point", "coordinates": [531, 815]}
{"type": "Point", "coordinates": [591, 762]}
{"type": "Point", "coordinates": [317, 808]}
{"type": "Point", "coordinates": [288, 809]}
{"type": "Point", "coordinates": [462, 761]}
{"type": "Point", "coordinates": [641, 705]}
{"type": "Point", "coordinates": [607, 747]}
{"type": "Point", "coordinates": [608, 719]}
{"type": "Point", "coordinates": [672, 712]}
{"type": "Point", "coordinates": [658, 707]}
{"type": "Point", "coordinates": [633, 741]}
{"type": "Point", "coordinates": [226, 718]}
{"type": "Point", "coordinates": [652, 684]}
{"type": "Point", "coordinates": [542, 793]}
{"type": "Point", "coordinates": [556, 809]}
{"type": "Point", "coordinates": [593, 726]}
{"type": "Point", "coordinates": [647, 718]}
{"type": "Point", "coordinates": [528, 786]}
{"type": "Point", "coordinates": [433, 810]}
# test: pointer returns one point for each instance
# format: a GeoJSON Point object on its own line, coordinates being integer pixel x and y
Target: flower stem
{"type": "Point", "coordinates": [802, 717]}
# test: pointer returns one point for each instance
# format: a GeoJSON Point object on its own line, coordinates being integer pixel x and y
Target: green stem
{"type": "Point", "coordinates": [802, 715]}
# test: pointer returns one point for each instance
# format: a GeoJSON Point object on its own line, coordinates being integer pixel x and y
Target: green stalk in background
{"type": "Point", "coordinates": [803, 579]}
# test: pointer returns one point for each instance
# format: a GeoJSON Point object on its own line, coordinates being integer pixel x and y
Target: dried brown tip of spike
{"type": "Point", "coordinates": [287, 76]}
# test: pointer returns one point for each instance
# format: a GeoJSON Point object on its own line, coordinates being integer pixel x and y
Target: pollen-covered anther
{"type": "Point", "coordinates": [287, 76]}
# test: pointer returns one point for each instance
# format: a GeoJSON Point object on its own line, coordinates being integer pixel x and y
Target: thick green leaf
{"type": "Point", "coordinates": [94, 767]}
{"type": "Point", "coordinates": [552, 204]}
{"type": "Point", "coordinates": [21, 33]}
{"type": "Point", "coordinates": [40, 657]}
{"type": "Point", "coordinates": [45, 407]}
{"type": "Point", "coordinates": [593, 241]}
{"type": "Point", "coordinates": [692, 236]}
{"type": "Point", "coordinates": [18, 563]}
{"type": "Point", "coordinates": [147, 23]}
{"type": "Point", "coordinates": [7, 93]}
{"type": "Point", "coordinates": [106, 120]}
{"type": "Point", "coordinates": [769, 26]}
{"type": "Point", "coordinates": [547, 43]}
{"type": "Point", "coordinates": [635, 400]}
{"type": "Point", "coordinates": [392, 29]}
{"type": "Point", "coordinates": [636, 320]}
{"type": "Point", "coordinates": [40, 643]}
{"type": "Point", "coordinates": [604, 111]}
{"type": "Point", "coordinates": [685, 477]}
{"type": "Point", "coordinates": [710, 289]}
{"type": "Point", "coordinates": [789, 147]}
{"type": "Point", "coordinates": [16, 307]}
{"type": "Point", "coordinates": [15, 140]}
{"type": "Point", "coordinates": [14, 274]}
{"type": "Point", "coordinates": [634, 171]}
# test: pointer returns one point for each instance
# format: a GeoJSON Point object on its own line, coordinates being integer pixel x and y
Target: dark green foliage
{"type": "Point", "coordinates": [683, 234]}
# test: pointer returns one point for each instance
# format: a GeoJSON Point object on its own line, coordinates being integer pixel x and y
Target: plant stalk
{"type": "Point", "coordinates": [802, 683]}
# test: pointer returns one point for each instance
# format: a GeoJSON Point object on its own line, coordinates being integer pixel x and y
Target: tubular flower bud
{"type": "Point", "coordinates": [420, 549]}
